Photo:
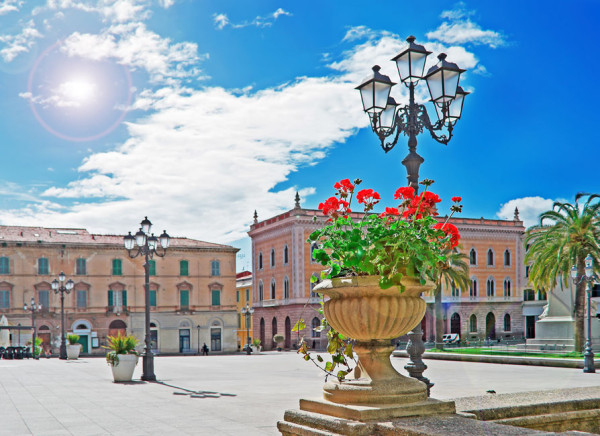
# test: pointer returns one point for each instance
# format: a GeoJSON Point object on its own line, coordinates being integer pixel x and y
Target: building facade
{"type": "Point", "coordinates": [192, 289]}
{"type": "Point", "coordinates": [493, 306]}
{"type": "Point", "coordinates": [243, 299]}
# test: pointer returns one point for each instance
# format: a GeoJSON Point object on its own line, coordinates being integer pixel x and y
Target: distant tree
{"type": "Point", "coordinates": [455, 271]}
{"type": "Point", "coordinates": [564, 237]}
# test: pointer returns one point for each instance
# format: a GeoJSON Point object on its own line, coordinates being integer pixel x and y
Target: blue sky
{"type": "Point", "coordinates": [196, 113]}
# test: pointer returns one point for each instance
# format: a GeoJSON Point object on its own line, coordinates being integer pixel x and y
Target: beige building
{"type": "Point", "coordinates": [243, 298]}
{"type": "Point", "coordinates": [192, 289]}
{"type": "Point", "coordinates": [493, 307]}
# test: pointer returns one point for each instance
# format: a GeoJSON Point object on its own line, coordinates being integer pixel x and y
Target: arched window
{"type": "Point", "coordinates": [455, 292]}
{"type": "Point", "coordinates": [272, 257]}
{"type": "Point", "coordinates": [507, 257]}
{"type": "Point", "coordinates": [316, 323]}
{"type": "Point", "coordinates": [455, 323]}
{"type": "Point", "coordinates": [273, 331]}
{"type": "Point", "coordinates": [490, 287]}
{"type": "Point", "coordinates": [286, 288]}
{"type": "Point", "coordinates": [507, 322]}
{"type": "Point", "coordinates": [313, 247]}
{"type": "Point", "coordinates": [261, 291]}
{"type": "Point", "coordinates": [260, 261]}
{"type": "Point", "coordinates": [473, 257]}
{"type": "Point", "coordinates": [286, 257]}
{"type": "Point", "coordinates": [273, 288]}
{"type": "Point", "coordinates": [490, 257]}
{"type": "Point", "coordinates": [215, 268]}
{"type": "Point", "coordinates": [507, 287]}
{"type": "Point", "coordinates": [473, 288]}
{"type": "Point", "coordinates": [262, 331]}
{"type": "Point", "coordinates": [312, 285]}
{"type": "Point", "coordinates": [473, 324]}
{"type": "Point", "coordinates": [288, 332]}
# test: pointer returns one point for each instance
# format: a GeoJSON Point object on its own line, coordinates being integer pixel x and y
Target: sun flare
{"type": "Point", "coordinates": [77, 90]}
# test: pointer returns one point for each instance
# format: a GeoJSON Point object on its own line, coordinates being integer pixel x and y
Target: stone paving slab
{"type": "Point", "coordinates": [48, 397]}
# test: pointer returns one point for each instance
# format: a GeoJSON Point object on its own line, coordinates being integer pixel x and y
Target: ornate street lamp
{"type": "Point", "coordinates": [147, 246]}
{"type": "Point", "coordinates": [59, 286]}
{"type": "Point", "coordinates": [247, 311]}
{"type": "Point", "coordinates": [589, 277]}
{"type": "Point", "coordinates": [389, 119]}
{"type": "Point", "coordinates": [33, 308]}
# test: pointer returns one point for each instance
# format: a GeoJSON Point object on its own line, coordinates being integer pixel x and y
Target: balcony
{"type": "Point", "coordinates": [270, 303]}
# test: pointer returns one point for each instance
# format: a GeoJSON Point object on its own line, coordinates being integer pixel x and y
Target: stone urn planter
{"type": "Point", "coordinates": [122, 369]}
{"type": "Point", "coordinates": [359, 309]}
{"type": "Point", "coordinates": [73, 351]}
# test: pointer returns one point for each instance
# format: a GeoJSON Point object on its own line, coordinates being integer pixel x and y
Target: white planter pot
{"type": "Point", "coordinates": [256, 349]}
{"type": "Point", "coordinates": [123, 369]}
{"type": "Point", "coordinates": [73, 351]}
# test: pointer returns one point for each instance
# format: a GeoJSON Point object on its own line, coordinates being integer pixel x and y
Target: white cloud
{"type": "Point", "coordinates": [459, 29]}
{"type": "Point", "coordinates": [19, 43]}
{"type": "Point", "coordinates": [8, 6]}
{"type": "Point", "coordinates": [222, 20]}
{"type": "Point", "coordinates": [530, 209]}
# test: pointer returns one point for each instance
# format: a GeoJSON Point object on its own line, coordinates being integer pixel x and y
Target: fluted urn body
{"type": "Point", "coordinates": [359, 309]}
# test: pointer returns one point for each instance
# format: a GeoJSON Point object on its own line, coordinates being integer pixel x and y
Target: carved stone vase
{"type": "Point", "coordinates": [359, 309]}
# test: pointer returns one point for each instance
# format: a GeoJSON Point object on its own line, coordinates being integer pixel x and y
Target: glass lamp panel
{"type": "Point", "coordinates": [129, 241]}
{"type": "Point", "coordinates": [152, 242]}
{"type": "Point", "coordinates": [164, 240]}
{"type": "Point", "coordinates": [450, 84]}
{"type": "Point", "coordinates": [456, 105]}
{"type": "Point", "coordinates": [140, 238]}
{"type": "Point", "coordinates": [403, 64]}
{"type": "Point", "coordinates": [434, 83]}
{"type": "Point", "coordinates": [70, 285]}
{"type": "Point", "coordinates": [381, 92]}
{"type": "Point", "coordinates": [574, 272]}
{"type": "Point", "coordinates": [386, 119]}
{"type": "Point", "coordinates": [54, 284]}
{"type": "Point", "coordinates": [62, 277]}
{"type": "Point", "coordinates": [25, 307]}
{"type": "Point", "coordinates": [366, 94]}
{"type": "Point", "coordinates": [146, 225]}
{"type": "Point", "coordinates": [417, 65]}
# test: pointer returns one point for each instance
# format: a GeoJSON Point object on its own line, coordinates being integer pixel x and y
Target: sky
{"type": "Point", "coordinates": [197, 113]}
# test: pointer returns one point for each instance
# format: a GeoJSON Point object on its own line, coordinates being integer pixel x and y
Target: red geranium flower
{"type": "Point", "coordinates": [344, 186]}
{"type": "Point", "coordinates": [389, 212]}
{"type": "Point", "coordinates": [333, 207]}
{"type": "Point", "coordinates": [449, 230]}
{"type": "Point", "coordinates": [405, 193]}
{"type": "Point", "coordinates": [456, 199]}
{"type": "Point", "coordinates": [368, 197]}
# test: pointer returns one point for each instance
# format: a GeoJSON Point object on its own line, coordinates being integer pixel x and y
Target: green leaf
{"type": "Point", "coordinates": [300, 325]}
{"type": "Point", "coordinates": [319, 358]}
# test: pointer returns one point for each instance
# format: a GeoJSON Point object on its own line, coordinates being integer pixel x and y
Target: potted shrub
{"type": "Point", "coordinates": [256, 347]}
{"type": "Point", "coordinates": [278, 339]}
{"type": "Point", "coordinates": [36, 351]}
{"type": "Point", "coordinates": [122, 356]}
{"type": "Point", "coordinates": [74, 347]}
{"type": "Point", "coordinates": [378, 265]}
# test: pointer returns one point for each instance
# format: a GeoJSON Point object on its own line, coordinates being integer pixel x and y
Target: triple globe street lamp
{"type": "Point", "coordinates": [589, 277]}
{"type": "Point", "coordinates": [143, 245]}
{"type": "Point", "coordinates": [33, 308]}
{"type": "Point", "coordinates": [389, 120]}
{"type": "Point", "coordinates": [247, 312]}
{"type": "Point", "coordinates": [59, 286]}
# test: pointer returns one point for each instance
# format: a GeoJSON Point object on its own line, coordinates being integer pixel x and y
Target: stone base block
{"type": "Point", "coordinates": [377, 412]}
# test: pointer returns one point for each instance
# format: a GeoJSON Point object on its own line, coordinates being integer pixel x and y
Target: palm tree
{"type": "Point", "coordinates": [455, 271]}
{"type": "Point", "coordinates": [565, 236]}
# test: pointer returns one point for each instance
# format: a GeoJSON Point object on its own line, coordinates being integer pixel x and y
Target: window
{"type": "Point", "coordinates": [473, 288]}
{"type": "Point", "coordinates": [117, 299]}
{"type": "Point", "coordinates": [152, 265]}
{"type": "Point", "coordinates": [507, 322]}
{"type": "Point", "coordinates": [184, 299]}
{"type": "Point", "coordinates": [473, 324]}
{"type": "Point", "coordinates": [183, 268]}
{"type": "Point", "coordinates": [455, 292]}
{"type": "Point", "coordinates": [239, 321]}
{"type": "Point", "coordinates": [152, 297]}
{"type": "Point", "coordinates": [215, 268]}
{"type": "Point", "coordinates": [4, 265]}
{"type": "Point", "coordinates": [4, 299]}
{"type": "Point", "coordinates": [273, 288]}
{"type": "Point", "coordinates": [316, 323]}
{"type": "Point", "coordinates": [117, 267]}
{"type": "Point", "coordinates": [507, 257]}
{"type": "Point", "coordinates": [247, 295]}
{"type": "Point", "coordinates": [43, 266]}
{"type": "Point", "coordinates": [542, 295]}
{"type": "Point", "coordinates": [490, 287]}
{"type": "Point", "coordinates": [80, 267]}
{"type": "Point", "coordinates": [528, 295]}
{"type": "Point", "coordinates": [272, 257]}
{"type": "Point", "coordinates": [261, 291]}
{"type": "Point", "coordinates": [286, 257]}
{"type": "Point", "coordinates": [286, 288]}
{"type": "Point", "coordinates": [526, 270]}
{"type": "Point", "coordinates": [237, 296]}
{"type": "Point", "coordinates": [314, 246]}
{"type": "Point", "coordinates": [44, 299]}
{"type": "Point", "coordinates": [260, 261]}
{"type": "Point", "coordinates": [473, 257]}
{"type": "Point", "coordinates": [507, 287]}
{"type": "Point", "coordinates": [490, 257]}
{"type": "Point", "coordinates": [216, 297]}
{"type": "Point", "coordinates": [81, 297]}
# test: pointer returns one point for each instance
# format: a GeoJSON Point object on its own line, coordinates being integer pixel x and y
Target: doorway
{"type": "Point", "coordinates": [184, 340]}
{"type": "Point", "coordinates": [215, 339]}
{"type": "Point", "coordinates": [490, 326]}
{"type": "Point", "coordinates": [529, 327]}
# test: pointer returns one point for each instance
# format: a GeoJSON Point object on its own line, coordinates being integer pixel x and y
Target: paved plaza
{"type": "Point", "coordinates": [214, 395]}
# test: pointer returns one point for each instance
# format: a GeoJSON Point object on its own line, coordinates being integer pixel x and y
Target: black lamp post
{"type": "Point", "coordinates": [147, 246]}
{"type": "Point", "coordinates": [33, 308]}
{"type": "Point", "coordinates": [247, 311]}
{"type": "Point", "coordinates": [59, 286]}
{"type": "Point", "coordinates": [589, 277]}
{"type": "Point", "coordinates": [388, 118]}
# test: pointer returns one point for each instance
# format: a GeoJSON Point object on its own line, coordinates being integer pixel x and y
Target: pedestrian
{"type": "Point", "coordinates": [204, 350]}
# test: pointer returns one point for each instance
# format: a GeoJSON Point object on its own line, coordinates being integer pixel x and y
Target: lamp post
{"type": "Point", "coordinates": [143, 245]}
{"type": "Point", "coordinates": [198, 327]}
{"type": "Point", "coordinates": [33, 308]}
{"type": "Point", "coordinates": [388, 119]}
{"type": "Point", "coordinates": [59, 286]}
{"type": "Point", "coordinates": [589, 277]}
{"type": "Point", "coordinates": [247, 311]}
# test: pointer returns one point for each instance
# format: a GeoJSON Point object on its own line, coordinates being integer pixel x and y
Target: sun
{"type": "Point", "coordinates": [75, 92]}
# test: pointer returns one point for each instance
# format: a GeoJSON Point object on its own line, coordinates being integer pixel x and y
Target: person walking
{"type": "Point", "coordinates": [204, 350]}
